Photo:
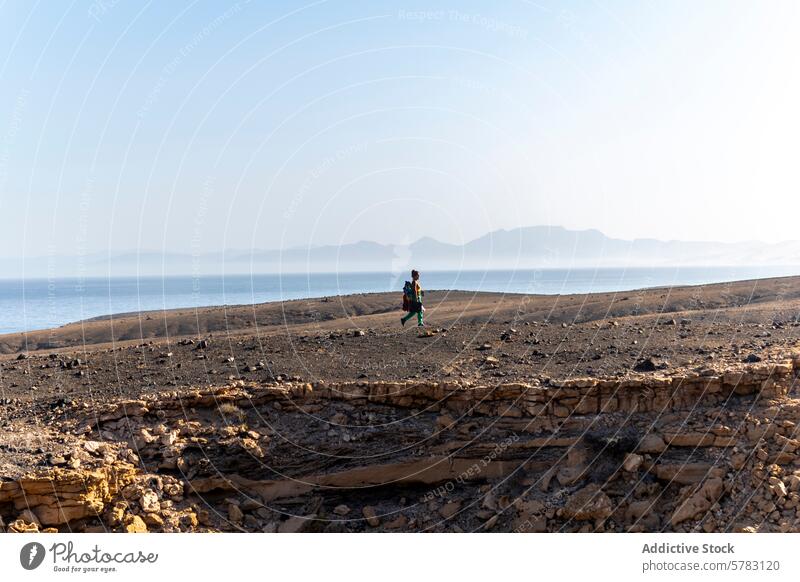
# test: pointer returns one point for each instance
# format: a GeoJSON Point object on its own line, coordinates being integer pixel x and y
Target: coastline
{"type": "Point", "coordinates": [37, 305]}
{"type": "Point", "coordinates": [284, 417]}
{"type": "Point", "coordinates": [374, 308]}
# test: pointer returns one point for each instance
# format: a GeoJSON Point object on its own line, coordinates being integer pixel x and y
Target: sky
{"type": "Point", "coordinates": [202, 126]}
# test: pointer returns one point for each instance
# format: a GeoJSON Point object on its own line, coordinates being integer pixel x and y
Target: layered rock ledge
{"type": "Point", "coordinates": [704, 449]}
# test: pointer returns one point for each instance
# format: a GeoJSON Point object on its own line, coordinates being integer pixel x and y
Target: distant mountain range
{"type": "Point", "coordinates": [529, 247]}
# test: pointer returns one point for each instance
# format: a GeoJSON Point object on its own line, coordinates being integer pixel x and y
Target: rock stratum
{"type": "Point", "coordinates": [709, 450]}
{"type": "Point", "coordinates": [671, 409]}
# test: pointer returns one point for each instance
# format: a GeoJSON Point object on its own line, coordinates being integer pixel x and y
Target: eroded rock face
{"type": "Point", "coordinates": [712, 450]}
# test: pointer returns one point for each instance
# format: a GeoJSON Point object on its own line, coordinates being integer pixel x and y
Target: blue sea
{"type": "Point", "coordinates": [27, 305]}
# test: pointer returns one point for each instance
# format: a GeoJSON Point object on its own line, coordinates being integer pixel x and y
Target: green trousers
{"type": "Point", "coordinates": [412, 313]}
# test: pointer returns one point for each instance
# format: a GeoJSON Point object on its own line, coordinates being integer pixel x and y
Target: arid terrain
{"type": "Point", "coordinates": [657, 410]}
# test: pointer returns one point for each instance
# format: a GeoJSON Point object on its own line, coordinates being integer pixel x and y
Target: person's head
{"type": "Point", "coordinates": [414, 274]}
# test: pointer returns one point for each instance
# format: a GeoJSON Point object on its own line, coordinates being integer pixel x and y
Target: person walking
{"type": "Point", "coordinates": [414, 293]}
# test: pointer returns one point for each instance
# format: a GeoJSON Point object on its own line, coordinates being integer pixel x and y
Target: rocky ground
{"type": "Point", "coordinates": [658, 410]}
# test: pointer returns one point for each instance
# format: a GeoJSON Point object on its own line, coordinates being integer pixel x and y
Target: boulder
{"type": "Point", "coordinates": [699, 502]}
{"type": "Point", "coordinates": [135, 524]}
{"type": "Point", "coordinates": [589, 503]}
{"type": "Point", "coordinates": [632, 462]}
{"type": "Point", "coordinates": [371, 516]}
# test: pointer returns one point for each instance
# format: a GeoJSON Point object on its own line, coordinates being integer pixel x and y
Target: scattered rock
{"type": "Point", "coordinates": [632, 462]}
{"type": "Point", "coordinates": [699, 502]}
{"type": "Point", "coordinates": [296, 524]}
{"type": "Point", "coordinates": [341, 509]}
{"type": "Point", "coordinates": [398, 522]}
{"type": "Point", "coordinates": [149, 501]}
{"type": "Point", "coordinates": [371, 516]}
{"type": "Point", "coordinates": [235, 513]}
{"type": "Point", "coordinates": [589, 503]}
{"type": "Point", "coordinates": [135, 524]}
{"type": "Point", "coordinates": [29, 517]}
{"type": "Point", "coordinates": [777, 487]}
{"type": "Point", "coordinates": [448, 510]}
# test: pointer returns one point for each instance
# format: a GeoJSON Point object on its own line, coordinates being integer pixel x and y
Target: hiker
{"type": "Point", "coordinates": [412, 299]}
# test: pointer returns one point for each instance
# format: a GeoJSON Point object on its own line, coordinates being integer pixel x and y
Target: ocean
{"type": "Point", "coordinates": [27, 305]}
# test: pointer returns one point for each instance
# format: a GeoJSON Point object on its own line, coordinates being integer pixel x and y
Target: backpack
{"type": "Point", "coordinates": [408, 295]}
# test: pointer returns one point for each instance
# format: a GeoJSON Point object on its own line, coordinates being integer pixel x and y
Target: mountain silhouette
{"type": "Point", "coordinates": [527, 247]}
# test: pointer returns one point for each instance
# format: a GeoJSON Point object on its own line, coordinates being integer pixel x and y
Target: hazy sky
{"type": "Point", "coordinates": [195, 126]}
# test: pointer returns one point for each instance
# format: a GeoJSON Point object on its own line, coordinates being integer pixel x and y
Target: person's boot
{"type": "Point", "coordinates": [403, 321]}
